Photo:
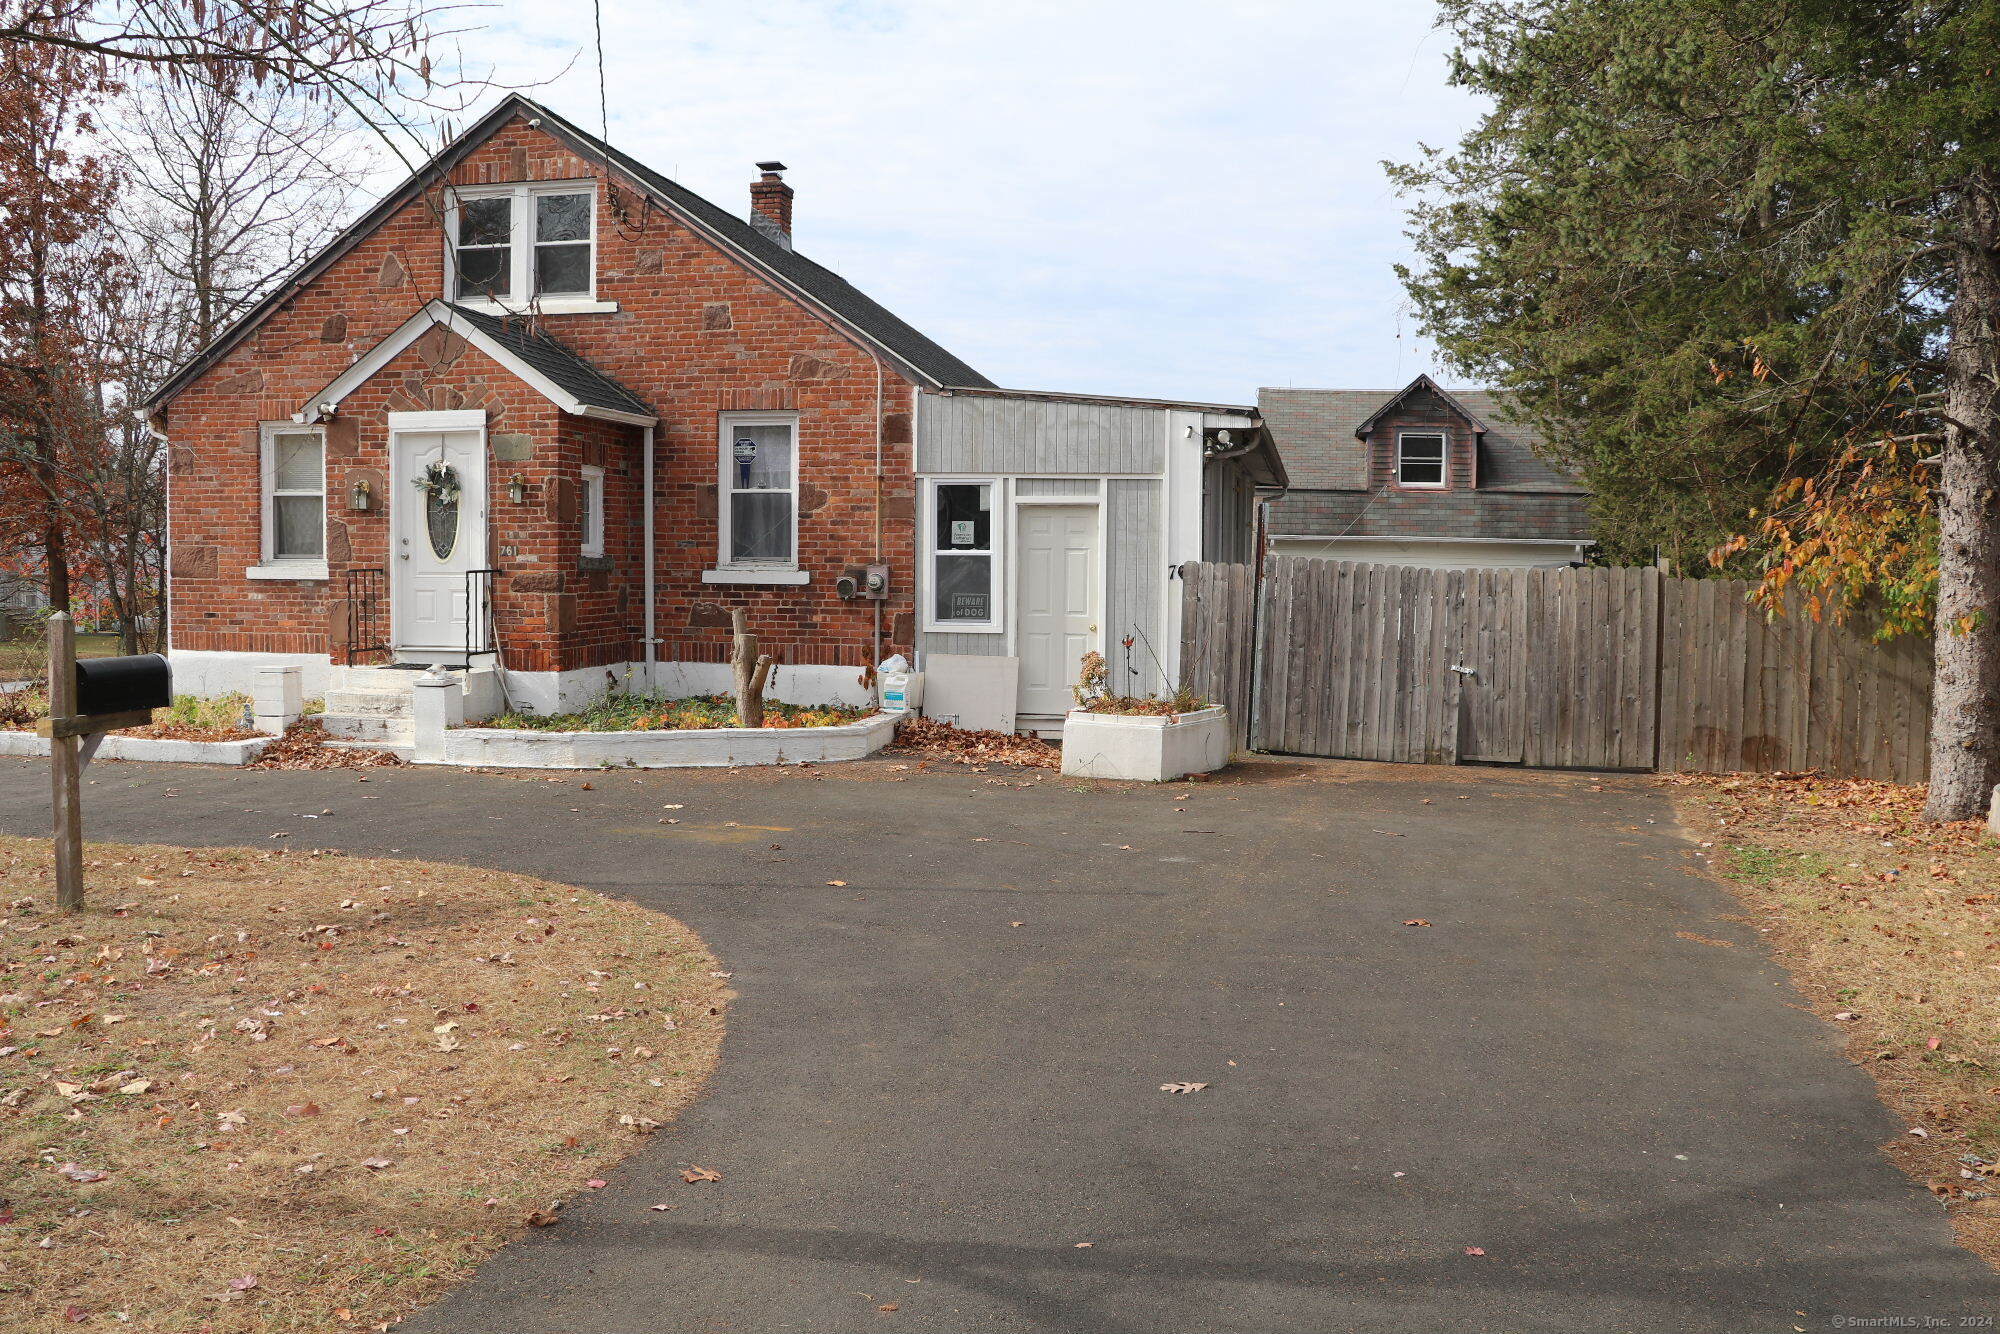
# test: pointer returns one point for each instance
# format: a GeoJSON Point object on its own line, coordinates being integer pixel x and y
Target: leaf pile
{"type": "Point", "coordinates": [253, 1091]}
{"type": "Point", "coordinates": [304, 746]}
{"type": "Point", "coordinates": [929, 736]}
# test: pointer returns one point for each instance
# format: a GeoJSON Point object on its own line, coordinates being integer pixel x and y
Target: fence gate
{"type": "Point", "coordinates": [1606, 668]}
{"type": "Point", "coordinates": [1390, 662]}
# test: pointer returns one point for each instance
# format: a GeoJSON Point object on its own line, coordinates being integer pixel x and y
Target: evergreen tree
{"type": "Point", "coordinates": [1714, 249]}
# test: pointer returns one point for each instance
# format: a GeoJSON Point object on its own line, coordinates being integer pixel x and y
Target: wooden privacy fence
{"type": "Point", "coordinates": [1218, 606]}
{"type": "Point", "coordinates": [1566, 668]}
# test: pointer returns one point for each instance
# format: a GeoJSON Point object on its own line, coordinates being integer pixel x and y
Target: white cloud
{"type": "Point", "coordinates": [1175, 198]}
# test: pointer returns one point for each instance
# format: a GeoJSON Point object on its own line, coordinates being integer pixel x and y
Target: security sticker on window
{"type": "Point", "coordinates": [968, 607]}
{"type": "Point", "coordinates": [963, 532]}
{"type": "Point", "coordinates": [746, 454]}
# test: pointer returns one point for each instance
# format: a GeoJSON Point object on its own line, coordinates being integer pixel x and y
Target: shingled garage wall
{"type": "Point", "coordinates": [696, 334]}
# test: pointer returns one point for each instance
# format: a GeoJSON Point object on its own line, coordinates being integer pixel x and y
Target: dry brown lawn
{"type": "Point", "coordinates": [269, 1091]}
{"type": "Point", "coordinates": [1891, 929]}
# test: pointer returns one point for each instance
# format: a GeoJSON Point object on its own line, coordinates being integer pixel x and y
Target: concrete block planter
{"type": "Point", "coordinates": [693, 748]}
{"type": "Point", "coordinates": [1147, 748]}
{"type": "Point", "coordinates": [148, 748]}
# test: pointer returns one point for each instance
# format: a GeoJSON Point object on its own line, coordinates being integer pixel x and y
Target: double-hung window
{"type": "Point", "coordinates": [591, 511]}
{"type": "Point", "coordinates": [1420, 459]}
{"type": "Point", "coordinates": [293, 472]}
{"type": "Point", "coordinates": [963, 595]}
{"type": "Point", "coordinates": [758, 496]}
{"type": "Point", "coordinates": [526, 245]}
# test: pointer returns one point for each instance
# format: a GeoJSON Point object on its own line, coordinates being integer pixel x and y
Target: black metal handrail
{"type": "Point", "coordinates": [367, 589]}
{"type": "Point", "coordinates": [479, 627]}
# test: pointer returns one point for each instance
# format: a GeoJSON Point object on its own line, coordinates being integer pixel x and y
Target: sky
{"type": "Point", "coordinates": [1173, 199]}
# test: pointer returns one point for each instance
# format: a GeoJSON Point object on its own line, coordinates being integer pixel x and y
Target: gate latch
{"type": "Point", "coordinates": [1465, 671]}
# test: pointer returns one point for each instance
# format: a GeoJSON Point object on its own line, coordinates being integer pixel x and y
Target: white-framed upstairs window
{"type": "Point", "coordinates": [962, 555]}
{"type": "Point", "coordinates": [1420, 459]}
{"type": "Point", "coordinates": [528, 246]}
{"type": "Point", "coordinates": [590, 510]}
{"type": "Point", "coordinates": [292, 501]}
{"type": "Point", "coordinates": [757, 496]}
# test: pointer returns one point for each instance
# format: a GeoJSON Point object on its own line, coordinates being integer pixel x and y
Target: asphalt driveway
{"type": "Point", "coordinates": [942, 1077]}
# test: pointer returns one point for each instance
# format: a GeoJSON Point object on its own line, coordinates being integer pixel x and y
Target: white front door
{"type": "Point", "coordinates": [1058, 601]}
{"type": "Point", "coordinates": [435, 538]}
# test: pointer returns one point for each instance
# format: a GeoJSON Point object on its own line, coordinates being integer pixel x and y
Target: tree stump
{"type": "Point", "coordinates": [750, 668]}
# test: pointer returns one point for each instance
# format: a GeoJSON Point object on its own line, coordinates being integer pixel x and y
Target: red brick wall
{"type": "Point", "coordinates": [1423, 411]}
{"type": "Point", "coordinates": [696, 334]}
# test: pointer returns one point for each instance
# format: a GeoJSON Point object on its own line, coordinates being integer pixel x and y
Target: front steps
{"type": "Point", "coordinates": [371, 707]}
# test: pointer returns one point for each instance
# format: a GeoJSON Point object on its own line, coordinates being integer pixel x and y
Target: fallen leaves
{"type": "Point", "coordinates": [304, 746]}
{"type": "Point", "coordinates": [929, 736]}
{"type": "Point", "coordinates": [1416, 921]}
{"type": "Point", "coordinates": [1182, 1086]}
{"type": "Point", "coordinates": [693, 1174]}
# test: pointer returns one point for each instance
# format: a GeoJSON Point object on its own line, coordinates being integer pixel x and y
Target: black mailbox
{"type": "Point", "coordinates": [123, 685]}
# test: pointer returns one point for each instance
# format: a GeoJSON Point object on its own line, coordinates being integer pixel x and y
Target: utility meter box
{"type": "Point", "coordinates": [869, 582]}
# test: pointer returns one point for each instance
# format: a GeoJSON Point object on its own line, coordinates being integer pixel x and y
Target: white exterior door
{"type": "Point", "coordinates": [1058, 601]}
{"type": "Point", "coordinates": [435, 538]}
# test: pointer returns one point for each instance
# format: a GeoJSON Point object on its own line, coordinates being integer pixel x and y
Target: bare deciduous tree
{"type": "Point", "coordinates": [229, 184]}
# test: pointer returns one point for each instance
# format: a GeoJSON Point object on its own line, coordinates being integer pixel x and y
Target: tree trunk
{"type": "Point", "coordinates": [1965, 682]}
{"type": "Point", "coordinates": [750, 668]}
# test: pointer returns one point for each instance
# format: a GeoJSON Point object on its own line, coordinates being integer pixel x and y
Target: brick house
{"type": "Point", "coordinates": [546, 416]}
{"type": "Point", "coordinates": [1418, 476]}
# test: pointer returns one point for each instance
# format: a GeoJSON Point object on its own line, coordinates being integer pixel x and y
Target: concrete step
{"type": "Point", "coordinates": [370, 729]}
{"type": "Point", "coordinates": [369, 703]}
{"type": "Point", "coordinates": [403, 748]}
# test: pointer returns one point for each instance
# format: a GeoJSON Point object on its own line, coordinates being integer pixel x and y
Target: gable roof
{"type": "Point", "coordinates": [533, 357]}
{"type": "Point", "coordinates": [1318, 431]}
{"type": "Point", "coordinates": [1421, 383]}
{"type": "Point", "coordinates": [812, 283]}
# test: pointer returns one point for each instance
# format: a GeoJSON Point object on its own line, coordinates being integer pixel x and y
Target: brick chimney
{"type": "Point", "coordinates": [771, 203]}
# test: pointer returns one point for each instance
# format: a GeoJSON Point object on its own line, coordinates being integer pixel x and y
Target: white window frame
{"type": "Point", "coordinates": [1443, 460]}
{"type": "Point", "coordinates": [725, 477]}
{"type": "Point", "coordinates": [997, 532]}
{"type": "Point", "coordinates": [591, 496]}
{"type": "Point", "coordinates": [271, 565]}
{"type": "Point", "coordinates": [521, 273]}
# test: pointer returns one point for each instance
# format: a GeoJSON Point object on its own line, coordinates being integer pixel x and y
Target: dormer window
{"type": "Point", "coordinates": [1420, 459]}
{"type": "Point", "coordinates": [518, 247]}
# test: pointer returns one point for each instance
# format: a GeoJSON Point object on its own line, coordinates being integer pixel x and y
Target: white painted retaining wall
{"type": "Point", "coordinates": [164, 749]}
{"type": "Point", "coordinates": [696, 748]}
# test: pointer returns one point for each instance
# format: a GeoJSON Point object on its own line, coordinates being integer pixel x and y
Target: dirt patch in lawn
{"type": "Point", "coordinates": [266, 1091]}
{"type": "Point", "coordinates": [1891, 929]}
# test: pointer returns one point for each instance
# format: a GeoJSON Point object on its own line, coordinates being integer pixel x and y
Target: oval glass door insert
{"type": "Point", "coordinates": [441, 519]}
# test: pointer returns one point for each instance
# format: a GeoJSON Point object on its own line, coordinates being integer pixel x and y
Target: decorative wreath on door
{"type": "Point", "coordinates": [439, 482]}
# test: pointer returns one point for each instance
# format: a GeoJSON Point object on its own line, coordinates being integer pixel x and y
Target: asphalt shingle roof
{"type": "Point", "coordinates": [1314, 430]}
{"type": "Point", "coordinates": [817, 281]}
{"type": "Point", "coordinates": [521, 336]}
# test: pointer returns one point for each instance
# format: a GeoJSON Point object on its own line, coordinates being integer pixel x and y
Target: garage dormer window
{"type": "Point", "coordinates": [1420, 459]}
{"type": "Point", "coordinates": [532, 246]}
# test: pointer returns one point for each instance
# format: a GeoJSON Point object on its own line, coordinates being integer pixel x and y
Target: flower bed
{"type": "Point", "coordinates": [645, 713]}
{"type": "Point", "coordinates": [188, 718]}
{"type": "Point", "coordinates": [191, 731]}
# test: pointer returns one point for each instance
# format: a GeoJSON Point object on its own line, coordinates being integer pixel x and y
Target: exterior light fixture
{"type": "Point", "coordinates": [517, 489]}
{"type": "Point", "coordinates": [361, 497]}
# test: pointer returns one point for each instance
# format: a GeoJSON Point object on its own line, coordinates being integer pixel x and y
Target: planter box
{"type": "Point", "coordinates": [148, 748]}
{"type": "Point", "coordinates": [1147, 748]}
{"type": "Point", "coordinates": [693, 748]}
